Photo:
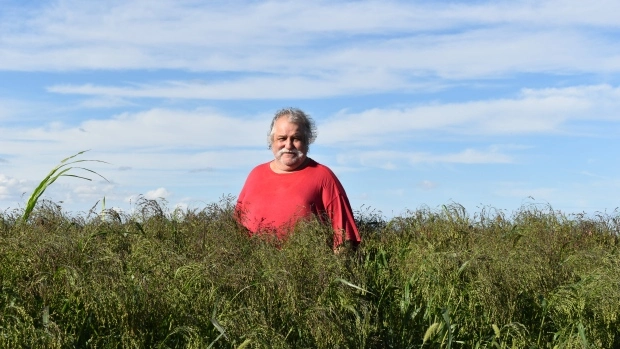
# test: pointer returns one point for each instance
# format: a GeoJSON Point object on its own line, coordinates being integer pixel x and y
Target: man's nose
{"type": "Point", "coordinates": [289, 144]}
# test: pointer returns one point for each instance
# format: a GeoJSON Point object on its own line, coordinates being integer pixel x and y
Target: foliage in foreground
{"type": "Point", "coordinates": [429, 279]}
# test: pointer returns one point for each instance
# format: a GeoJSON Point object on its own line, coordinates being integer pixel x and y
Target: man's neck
{"type": "Point", "coordinates": [274, 167]}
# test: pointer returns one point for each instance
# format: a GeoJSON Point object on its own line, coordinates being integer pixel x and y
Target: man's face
{"type": "Point", "coordinates": [288, 145]}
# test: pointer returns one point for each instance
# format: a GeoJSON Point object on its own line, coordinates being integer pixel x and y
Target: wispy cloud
{"type": "Point", "coordinates": [457, 41]}
{"type": "Point", "coordinates": [255, 88]}
{"type": "Point", "coordinates": [156, 129]}
{"type": "Point", "coordinates": [544, 111]}
{"type": "Point", "coordinates": [210, 137]}
{"type": "Point", "coordinates": [392, 160]}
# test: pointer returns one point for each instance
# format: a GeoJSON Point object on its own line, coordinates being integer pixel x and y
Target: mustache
{"type": "Point", "coordinates": [284, 151]}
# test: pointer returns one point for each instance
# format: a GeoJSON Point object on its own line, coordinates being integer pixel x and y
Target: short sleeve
{"type": "Point", "coordinates": [338, 210]}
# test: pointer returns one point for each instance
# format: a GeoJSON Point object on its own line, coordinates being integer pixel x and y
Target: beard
{"type": "Point", "coordinates": [297, 156]}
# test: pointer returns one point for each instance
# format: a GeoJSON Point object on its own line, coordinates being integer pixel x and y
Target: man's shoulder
{"type": "Point", "coordinates": [320, 170]}
{"type": "Point", "coordinates": [260, 167]}
{"type": "Point", "coordinates": [259, 172]}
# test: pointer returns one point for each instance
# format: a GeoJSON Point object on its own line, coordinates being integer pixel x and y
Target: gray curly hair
{"type": "Point", "coordinates": [296, 116]}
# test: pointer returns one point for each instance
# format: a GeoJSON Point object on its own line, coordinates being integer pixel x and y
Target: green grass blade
{"type": "Point", "coordinates": [60, 170]}
{"type": "Point", "coordinates": [352, 285]}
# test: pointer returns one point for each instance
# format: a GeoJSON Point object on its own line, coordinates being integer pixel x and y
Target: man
{"type": "Point", "coordinates": [279, 193]}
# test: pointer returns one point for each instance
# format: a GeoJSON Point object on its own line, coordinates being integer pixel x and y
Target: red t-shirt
{"type": "Point", "coordinates": [274, 202]}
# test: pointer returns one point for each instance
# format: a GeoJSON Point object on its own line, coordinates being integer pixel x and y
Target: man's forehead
{"type": "Point", "coordinates": [283, 125]}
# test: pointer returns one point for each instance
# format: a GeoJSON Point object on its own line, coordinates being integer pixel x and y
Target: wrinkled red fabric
{"type": "Point", "coordinates": [273, 202]}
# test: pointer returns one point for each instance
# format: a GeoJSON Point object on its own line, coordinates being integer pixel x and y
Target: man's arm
{"type": "Point", "coordinates": [339, 211]}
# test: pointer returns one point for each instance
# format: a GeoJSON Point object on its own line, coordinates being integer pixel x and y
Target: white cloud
{"type": "Point", "coordinates": [392, 160]}
{"type": "Point", "coordinates": [5, 111]}
{"type": "Point", "coordinates": [159, 193]}
{"type": "Point", "coordinates": [104, 102]}
{"type": "Point", "coordinates": [265, 87]}
{"type": "Point", "coordinates": [456, 40]}
{"type": "Point", "coordinates": [161, 129]}
{"type": "Point", "coordinates": [15, 110]}
{"type": "Point", "coordinates": [593, 175]}
{"type": "Point", "coordinates": [194, 140]}
{"type": "Point", "coordinates": [93, 191]}
{"type": "Point", "coordinates": [469, 156]}
{"type": "Point", "coordinates": [11, 187]}
{"type": "Point", "coordinates": [534, 112]}
{"type": "Point", "coordinates": [427, 185]}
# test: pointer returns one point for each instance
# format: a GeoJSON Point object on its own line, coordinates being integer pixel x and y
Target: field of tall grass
{"type": "Point", "coordinates": [433, 278]}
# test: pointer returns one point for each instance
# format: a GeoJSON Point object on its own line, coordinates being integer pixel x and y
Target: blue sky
{"type": "Point", "coordinates": [418, 103]}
